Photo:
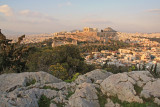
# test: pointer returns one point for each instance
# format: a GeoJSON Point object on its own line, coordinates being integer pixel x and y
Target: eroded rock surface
{"type": "Point", "coordinates": [89, 90]}
{"type": "Point", "coordinates": [13, 80]}
{"type": "Point", "coordinates": [93, 76]}
{"type": "Point", "coordinates": [84, 96]}
{"type": "Point", "coordinates": [120, 85]}
{"type": "Point", "coordinates": [132, 86]}
{"type": "Point", "coordinates": [151, 89]}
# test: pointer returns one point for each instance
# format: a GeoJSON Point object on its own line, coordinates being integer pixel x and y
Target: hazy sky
{"type": "Point", "coordinates": [48, 16]}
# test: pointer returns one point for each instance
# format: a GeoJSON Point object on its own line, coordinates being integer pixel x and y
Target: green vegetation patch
{"type": "Point", "coordinates": [49, 87]}
{"type": "Point", "coordinates": [75, 76]}
{"type": "Point", "coordinates": [138, 89]}
{"type": "Point", "coordinates": [59, 104]}
{"type": "Point", "coordinates": [68, 81]}
{"type": "Point", "coordinates": [44, 101]}
{"type": "Point", "coordinates": [31, 82]}
{"type": "Point", "coordinates": [101, 98]}
{"type": "Point", "coordinates": [70, 93]}
{"type": "Point", "coordinates": [114, 69]}
{"type": "Point", "coordinates": [104, 71]}
{"type": "Point", "coordinates": [150, 102]}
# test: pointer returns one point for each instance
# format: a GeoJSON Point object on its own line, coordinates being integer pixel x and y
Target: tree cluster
{"type": "Point", "coordinates": [118, 69]}
{"type": "Point", "coordinates": [111, 45]}
{"type": "Point", "coordinates": [62, 61]}
{"type": "Point", "coordinates": [12, 55]}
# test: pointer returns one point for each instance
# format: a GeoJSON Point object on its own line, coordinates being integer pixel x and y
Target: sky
{"type": "Point", "coordinates": [49, 16]}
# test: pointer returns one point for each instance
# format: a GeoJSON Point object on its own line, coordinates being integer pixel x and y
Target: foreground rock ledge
{"type": "Point", "coordinates": [25, 89]}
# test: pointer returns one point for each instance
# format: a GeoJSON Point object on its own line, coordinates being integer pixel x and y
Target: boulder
{"type": "Point", "coordinates": [14, 80]}
{"type": "Point", "coordinates": [122, 86]}
{"type": "Point", "coordinates": [26, 98]}
{"type": "Point", "coordinates": [93, 76]}
{"type": "Point", "coordinates": [156, 100]}
{"type": "Point", "coordinates": [141, 77]}
{"type": "Point", "coordinates": [151, 89]}
{"type": "Point", "coordinates": [15, 92]}
{"type": "Point", "coordinates": [84, 96]}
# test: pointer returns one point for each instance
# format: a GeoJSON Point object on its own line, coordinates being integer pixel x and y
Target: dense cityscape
{"type": "Point", "coordinates": [142, 51]}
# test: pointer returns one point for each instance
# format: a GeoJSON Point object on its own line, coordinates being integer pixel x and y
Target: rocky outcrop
{"type": "Point", "coordinates": [93, 89]}
{"type": "Point", "coordinates": [23, 89]}
{"type": "Point", "coordinates": [13, 80]}
{"type": "Point", "coordinates": [120, 85]}
{"type": "Point", "coordinates": [151, 89]}
{"type": "Point", "coordinates": [93, 76]}
{"type": "Point", "coordinates": [132, 86]}
{"type": "Point", "coordinates": [84, 96]}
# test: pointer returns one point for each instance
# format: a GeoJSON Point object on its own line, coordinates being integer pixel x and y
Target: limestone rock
{"type": "Point", "coordinates": [120, 85]}
{"type": "Point", "coordinates": [27, 98]}
{"type": "Point", "coordinates": [111, 104]}
{"type": "Point", "coordinates": [156, 100]}
{"type": "Point", "coordinates": [82, 93]}
{"type": "Point", "coordinates": [60, 85]}
{"type": "Point", "coordinates": [151, 89]}
{"type": "Point", "coordinates": [99, 81]}
{"type": "Point", "coordinates": [14, 92]}
{"type": "Point", "coordinates": [57, 100]}
{"type": "Point", "coordinates": [14, 80]}
{"type": "Point", "coordinates": [84, 96]}
{"type": "Point", "coordinates": [53, 105]}
{"type": "Point", "coordinates": [140, 75]}
{"type": "Point", "coordinates": [93, 76]}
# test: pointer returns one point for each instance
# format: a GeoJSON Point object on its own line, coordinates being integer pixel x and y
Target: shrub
{"type": "Point", "coordinates": [58, 71]}
{"type": "Point", "coordinates": [31, 82]}
{"type": "Point", "coordinates": [70, 93]}
{"type": "Point", "coordinates": [137, 89]}
{"type": "Point", "coordinates": [75, 76]}
{"type": "Point", "coordinates": [44, 101]}
{"type": "Point", "coordinates": [101, 98]}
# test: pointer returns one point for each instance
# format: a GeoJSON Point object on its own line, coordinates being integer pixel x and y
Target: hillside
{"type": "Point", "coordinates": [97, 88]}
